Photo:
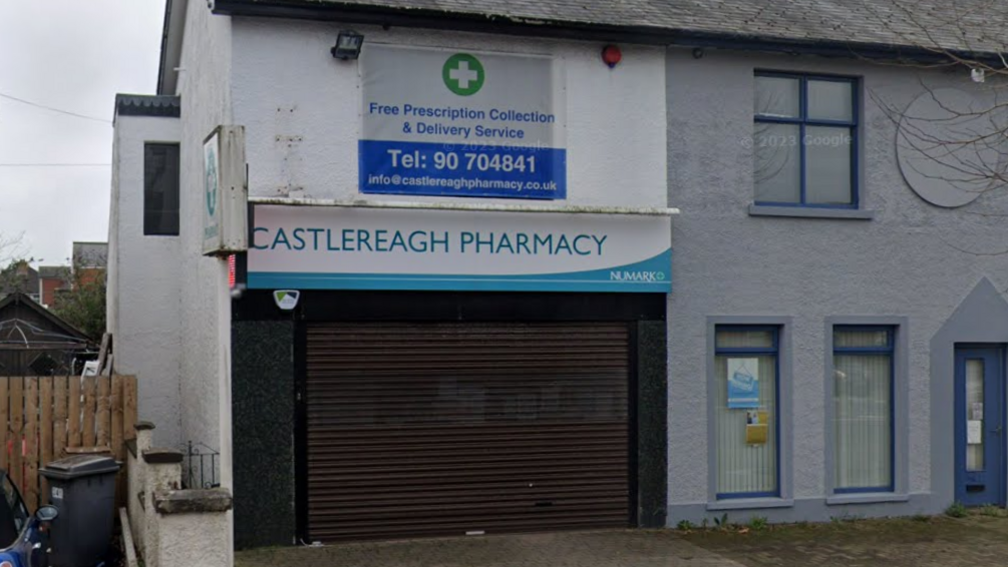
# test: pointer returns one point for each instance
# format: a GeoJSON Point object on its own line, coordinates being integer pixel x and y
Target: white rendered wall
{"type": "Point", "coordinates": [143, 282]}
{"type": "Point", "coordinates": [206, 308]}
{"type": "Point", "coordinates": [301, 110]}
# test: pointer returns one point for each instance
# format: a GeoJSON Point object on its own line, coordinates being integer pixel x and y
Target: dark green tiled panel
{"type": "Point", "coordinates": [652, 428]}
{"type": "Point", "coordinates": [262, 398]}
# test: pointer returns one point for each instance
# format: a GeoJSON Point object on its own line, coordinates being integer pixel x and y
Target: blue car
{"type": "Point", "coordinates": [24, 539]}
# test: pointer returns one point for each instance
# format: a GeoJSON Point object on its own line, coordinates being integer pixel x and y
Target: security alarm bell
{"type": "Point", "coordinates": [286, 299]}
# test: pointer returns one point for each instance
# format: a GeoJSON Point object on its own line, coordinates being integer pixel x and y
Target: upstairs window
{"type": "Point", "coordinates": [161, 189]}
{"type": "Point", "coordinates": [805, 141]}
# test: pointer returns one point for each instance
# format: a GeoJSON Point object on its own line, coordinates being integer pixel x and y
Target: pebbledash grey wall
{"type": "Point", "coordinates": [898, 260]}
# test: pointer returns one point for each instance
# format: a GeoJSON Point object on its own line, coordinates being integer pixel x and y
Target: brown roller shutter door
{"type": "Point", "coordinates": [438, 429]}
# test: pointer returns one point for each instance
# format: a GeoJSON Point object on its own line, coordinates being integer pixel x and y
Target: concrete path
{"type": "Point", "coordinates": [922, 541]}
{"type": "Point", "coordinates": [612, 548]}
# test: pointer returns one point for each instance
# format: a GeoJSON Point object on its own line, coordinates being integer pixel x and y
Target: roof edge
{"type": "Point", "coordinates": [21, 298]}
{"type": "Point", "coordinates": [561, 29]}
{"type": "Point", "coordinates": [162, 106]}
{"type": "Point", "coordinates": [162, 58]}
{"type": "Point", "coordinates": [172, 32]}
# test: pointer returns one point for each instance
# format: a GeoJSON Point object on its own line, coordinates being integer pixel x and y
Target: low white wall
{"type": "Point", "coordinates": [171, 526]}
{"type": "Point", "coordinates": [193, 540]}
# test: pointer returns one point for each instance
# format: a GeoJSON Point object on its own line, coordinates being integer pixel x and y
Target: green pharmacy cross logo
{"type": "Point", "coordinates": [463, 74]}
{"type": "Point", "coordinates": [211, 182]}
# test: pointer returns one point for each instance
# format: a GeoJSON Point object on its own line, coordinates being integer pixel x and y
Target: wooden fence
{"type": "Point", "coordinates": [50, 417]}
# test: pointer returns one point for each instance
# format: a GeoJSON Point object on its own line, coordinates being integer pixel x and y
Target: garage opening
{"type": "Point", "coordinates": [434, 429]}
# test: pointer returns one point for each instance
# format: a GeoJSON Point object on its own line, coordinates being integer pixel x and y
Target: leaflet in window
{"type": "Point", "coordinates": [756, 427]}
{"type": "Point", "coordinates": [743, 383]}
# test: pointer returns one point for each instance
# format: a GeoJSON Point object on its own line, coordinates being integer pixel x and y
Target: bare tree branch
{"type": "Point", "coordinates": [11, 248]}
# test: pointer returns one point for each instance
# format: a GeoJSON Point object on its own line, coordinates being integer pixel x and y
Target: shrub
{"type": "Point", "coordinates": [956, 510]}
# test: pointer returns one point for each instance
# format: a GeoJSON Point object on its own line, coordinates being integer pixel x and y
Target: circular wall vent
{"type": "Point", "coordinates": [949, 145]}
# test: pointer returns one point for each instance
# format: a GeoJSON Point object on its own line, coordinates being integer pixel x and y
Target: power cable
{"type": "Point", "coordinates": [55, 164]}
{"type": "Point", "coordinates": [53, 109]}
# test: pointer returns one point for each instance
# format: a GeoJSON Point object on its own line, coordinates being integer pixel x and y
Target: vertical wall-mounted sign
{"type": "Point", "coordinates": [225, 192]}
{"type": "Point", "coordinates": [211, 192]}
{"type": "Point", "coordinates": [462, 124]}
{"type": "Point", "coordinates": [743, 383]}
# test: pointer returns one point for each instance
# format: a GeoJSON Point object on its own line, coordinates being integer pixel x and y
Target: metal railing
{"type": "Point", "coordinates": [200, 470]}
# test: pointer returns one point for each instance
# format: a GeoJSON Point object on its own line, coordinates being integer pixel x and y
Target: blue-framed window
{"type": "Point", "coordinates": [863, 394]}
{"type": "Point", "coordinates": [805, 140]}
{"type": "Point", "coordinates": [746, 427]}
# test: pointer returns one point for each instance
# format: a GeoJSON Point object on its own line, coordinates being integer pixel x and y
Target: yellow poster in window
{"type": "Point", "coordinates": [756, 427]}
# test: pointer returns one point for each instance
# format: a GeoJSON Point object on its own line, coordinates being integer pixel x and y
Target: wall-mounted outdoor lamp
{"type": "Point", "coordinates": [348, 45]}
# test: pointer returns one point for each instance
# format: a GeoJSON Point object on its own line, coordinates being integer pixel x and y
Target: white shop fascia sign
{"type": "Point", "coordinates": [326, 247]}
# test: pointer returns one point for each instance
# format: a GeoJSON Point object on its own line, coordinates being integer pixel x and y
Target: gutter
{"type": "Point", "coordinates": [585, 31]}
{"type": "Point", "coordinates": [162, 61]}
{"type": "Point", "coordinates": [470, 207]}
{"type": "Point", "coordinates": [171, 45]}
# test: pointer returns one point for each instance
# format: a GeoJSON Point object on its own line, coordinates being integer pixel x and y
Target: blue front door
{"type": "Point", "coordinates": [979, 426]}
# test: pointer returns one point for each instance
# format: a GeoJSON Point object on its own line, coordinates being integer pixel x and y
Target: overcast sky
{"type": "Point", "coordinates": [73, 55]}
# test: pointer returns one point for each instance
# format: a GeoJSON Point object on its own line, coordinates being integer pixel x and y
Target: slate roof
{"type": "Point", "coordinates": [54, 272]}
{"type": "Point", "coordinates": [148, 105]}
{"type": "Point", "coordinates": [90, 254]}
{"type": "Point", "coordinates": [21, 300]}
{"type": "Point", "coordinates": [961, 25]}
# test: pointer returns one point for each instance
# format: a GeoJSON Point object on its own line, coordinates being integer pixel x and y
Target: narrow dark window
{"type": "Point", "coordinates": [161, 189]}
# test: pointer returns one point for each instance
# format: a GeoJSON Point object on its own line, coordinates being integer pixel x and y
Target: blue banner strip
{"type": "Point", "coordinates": [648, 276]}
{"type": "Point", "coordinates": [462, 170]}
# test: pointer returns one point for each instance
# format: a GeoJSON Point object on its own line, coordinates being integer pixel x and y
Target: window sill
{"type": "Point", "coordinates": [749, 504]}
{"type": "Point", "coordinates": [866, 498]}
{"type": "Point", "coordinates": [809, 212]}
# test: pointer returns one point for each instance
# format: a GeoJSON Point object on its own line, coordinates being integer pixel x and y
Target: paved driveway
{"type": "Point", "coordinates": [911, 542]}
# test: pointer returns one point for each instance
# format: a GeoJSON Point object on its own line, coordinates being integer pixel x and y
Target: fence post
{"type": "Point", "coordinates": [88, 421]}
{"type": "Point", "coordinates": [74, 413]}
{"type": "Point", "coordinates": [46, 433]}
{"type": "Point", "coordinates": [16, 430]}
{"type": "Point", "coordinates": [30, 443]}
{"type": "Point", "coordinates": [60, 385]}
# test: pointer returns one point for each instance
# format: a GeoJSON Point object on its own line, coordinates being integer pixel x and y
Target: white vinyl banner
{"type": "Point", "coordinates": [297, 247]}
{"type": "Point", "coordinates": [462, 123]}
